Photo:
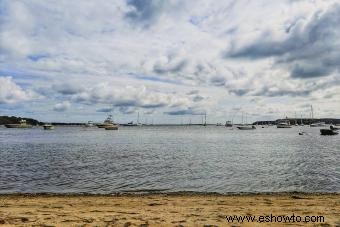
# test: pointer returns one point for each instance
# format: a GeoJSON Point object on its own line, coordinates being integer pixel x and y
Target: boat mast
{"type": "Point", "coordinates": [205, 118]}
{"type": "Point", "coordinates": [312, 112]}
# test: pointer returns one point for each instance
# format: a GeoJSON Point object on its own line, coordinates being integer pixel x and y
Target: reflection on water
{"type": "Point", "coordinates": [195, 158]}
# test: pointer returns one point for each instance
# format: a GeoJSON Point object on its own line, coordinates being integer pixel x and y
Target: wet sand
{"type": "Point", "coordinates": [163, 209]}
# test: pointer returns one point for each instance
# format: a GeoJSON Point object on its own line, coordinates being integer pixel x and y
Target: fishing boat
{"type": "Point", "coordinates": [246, 127]}
{"type": "Point", "coordinates": [228, 124]}
{"type": "Point", "coordinates": [48, 127]}
{"type": "Point", "coordinates": [284, 124]}
{"type": "Point", "coordinates": [22, 124]}
{"type": "Point", "coordinates": [111, 127]}
{"type": "Point", "coordinates": [108, 121]}
{"type": "Point", "coordinates": [328, 132]}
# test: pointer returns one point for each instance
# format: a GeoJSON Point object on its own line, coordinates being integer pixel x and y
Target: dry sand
{"type": "Point", "coordinates": [163, 210]}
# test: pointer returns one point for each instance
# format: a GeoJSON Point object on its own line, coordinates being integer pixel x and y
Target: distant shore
{"type": "Point", "coordinates": [170, 209]}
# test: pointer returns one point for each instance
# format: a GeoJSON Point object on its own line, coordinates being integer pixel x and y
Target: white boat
{"type": "Point", "coordinates": [246, 127]}
{"type": "Point", "coordinates": [318, 124]}
{"type": "Point", "coordinates": [48, 126]}
{"type": "Point", "coordinates": [284, 124]}
{"type": "Point", "coordinates": [129, 124]}
{"type": "Point", "coordinates": [89, 124]}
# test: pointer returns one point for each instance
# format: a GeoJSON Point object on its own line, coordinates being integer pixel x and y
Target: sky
{"type": "Point", "coordinates": [170, 61]}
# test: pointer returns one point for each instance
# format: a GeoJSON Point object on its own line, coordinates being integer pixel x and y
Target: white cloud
{"type": "Point", "coordinates": [11, 93]}
{"type": "Point", "coordinates": [61, 107]}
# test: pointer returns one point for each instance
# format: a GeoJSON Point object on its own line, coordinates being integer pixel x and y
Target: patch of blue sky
{"type": "Point", "coordinates": [197, 20]}
{"type": "Point", "coordinates": [154, 78]}
{"type": "Point", "coordinates": [37, 57]}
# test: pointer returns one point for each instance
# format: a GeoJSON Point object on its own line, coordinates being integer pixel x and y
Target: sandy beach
{"type": "Point", "coordinates": [166, 209]}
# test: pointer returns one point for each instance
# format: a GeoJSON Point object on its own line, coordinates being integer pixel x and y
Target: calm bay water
{"type": "Point", "coordinates": [168, 159]}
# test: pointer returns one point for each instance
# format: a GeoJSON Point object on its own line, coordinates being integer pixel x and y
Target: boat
{"type": "Point", "coordinates": [130, 124]}
{"type": "Point", "coordinates": [108, 121]}
{"type": "Point", "coordinates": [205, 120]}
{"type": "Point", "coordinates": [328, 132]}
{"type": "Point", "coordinates": [246, 127]}
{"type": "Point", "coordinates": [22, 124]}
{"type": "Point", "coordinates": [48, 126]}
{"type": "Point", "coordinates": [284, 124]}
{"type": "Point", "coordinates": [228, 124]}
{"type": "Point", "coordinates": [111, 127]}
{"type": "Point", "coordinates": [332, 127]}
{"type": "Point", "coordinates": [318, 124]}
{"type": "Point", "coordinates": [89, 124]}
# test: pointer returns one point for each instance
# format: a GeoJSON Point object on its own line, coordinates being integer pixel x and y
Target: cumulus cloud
{"type": "Point", "coordinates": [61, 107]}
{"type": "Point", "coordinates": [310, 48]}
{"type": "Point", "coordinates": [11, 93]}
{"type": "Point", "coordinates": [129, 96]}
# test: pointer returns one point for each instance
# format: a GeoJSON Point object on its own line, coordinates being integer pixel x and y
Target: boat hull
{"type": "Point", "coordinates": [101, 125]}
{"type": "Point", "coordinates": [283, 126]}
{"type": "Point", "coordinates": [246, 127]}
{"type": "Point", "coordinates": [328, 132]}
{"type": "Point", "coordinates": [48, 127]}
{"type": "Point", "coordinates": [111, 127]}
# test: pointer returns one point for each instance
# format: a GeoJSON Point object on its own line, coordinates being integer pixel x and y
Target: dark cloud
{"type": "Point", "coordinates": [145, 12]}
{"type": "Point", "coordinates": [310, 50]}
{"type": "Point", "coordinates": [105, 110]}
{"type": "Point", "coordinates": [193, 92]}
{"type": "Point", "coordinates": [67, 88]}
{"type": "Point", "coordinates": [265, 91]}
{"type": "Point", "coordinates": [239, 92]}
{"type": "Point", "coordinates": [299, 71]}
{"type": "Point", "coordinates": [127, 110]}
{"type": "Point", "coordinates": [170, 69]}
{"type": "Point", "coordinates": [188, 111]}
{"type": "Point", "coordinates": [197, 98]}
{"type": "Point", "coordinates": [218, 81]}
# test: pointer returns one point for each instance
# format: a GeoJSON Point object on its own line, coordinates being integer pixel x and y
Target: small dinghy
{"type": "Point", "coordinates": [332, 127]}
{"type": "Point", "coordinates": [328, 132]}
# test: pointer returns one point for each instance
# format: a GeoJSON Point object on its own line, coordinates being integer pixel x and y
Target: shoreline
{"type": "Point", "coordinates": [158, 193]}
{"type": "Point", "coordinates": [160, 209]}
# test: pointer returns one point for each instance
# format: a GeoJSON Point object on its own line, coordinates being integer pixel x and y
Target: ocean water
{"type": "Point", "coordinates": [168, 159]}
